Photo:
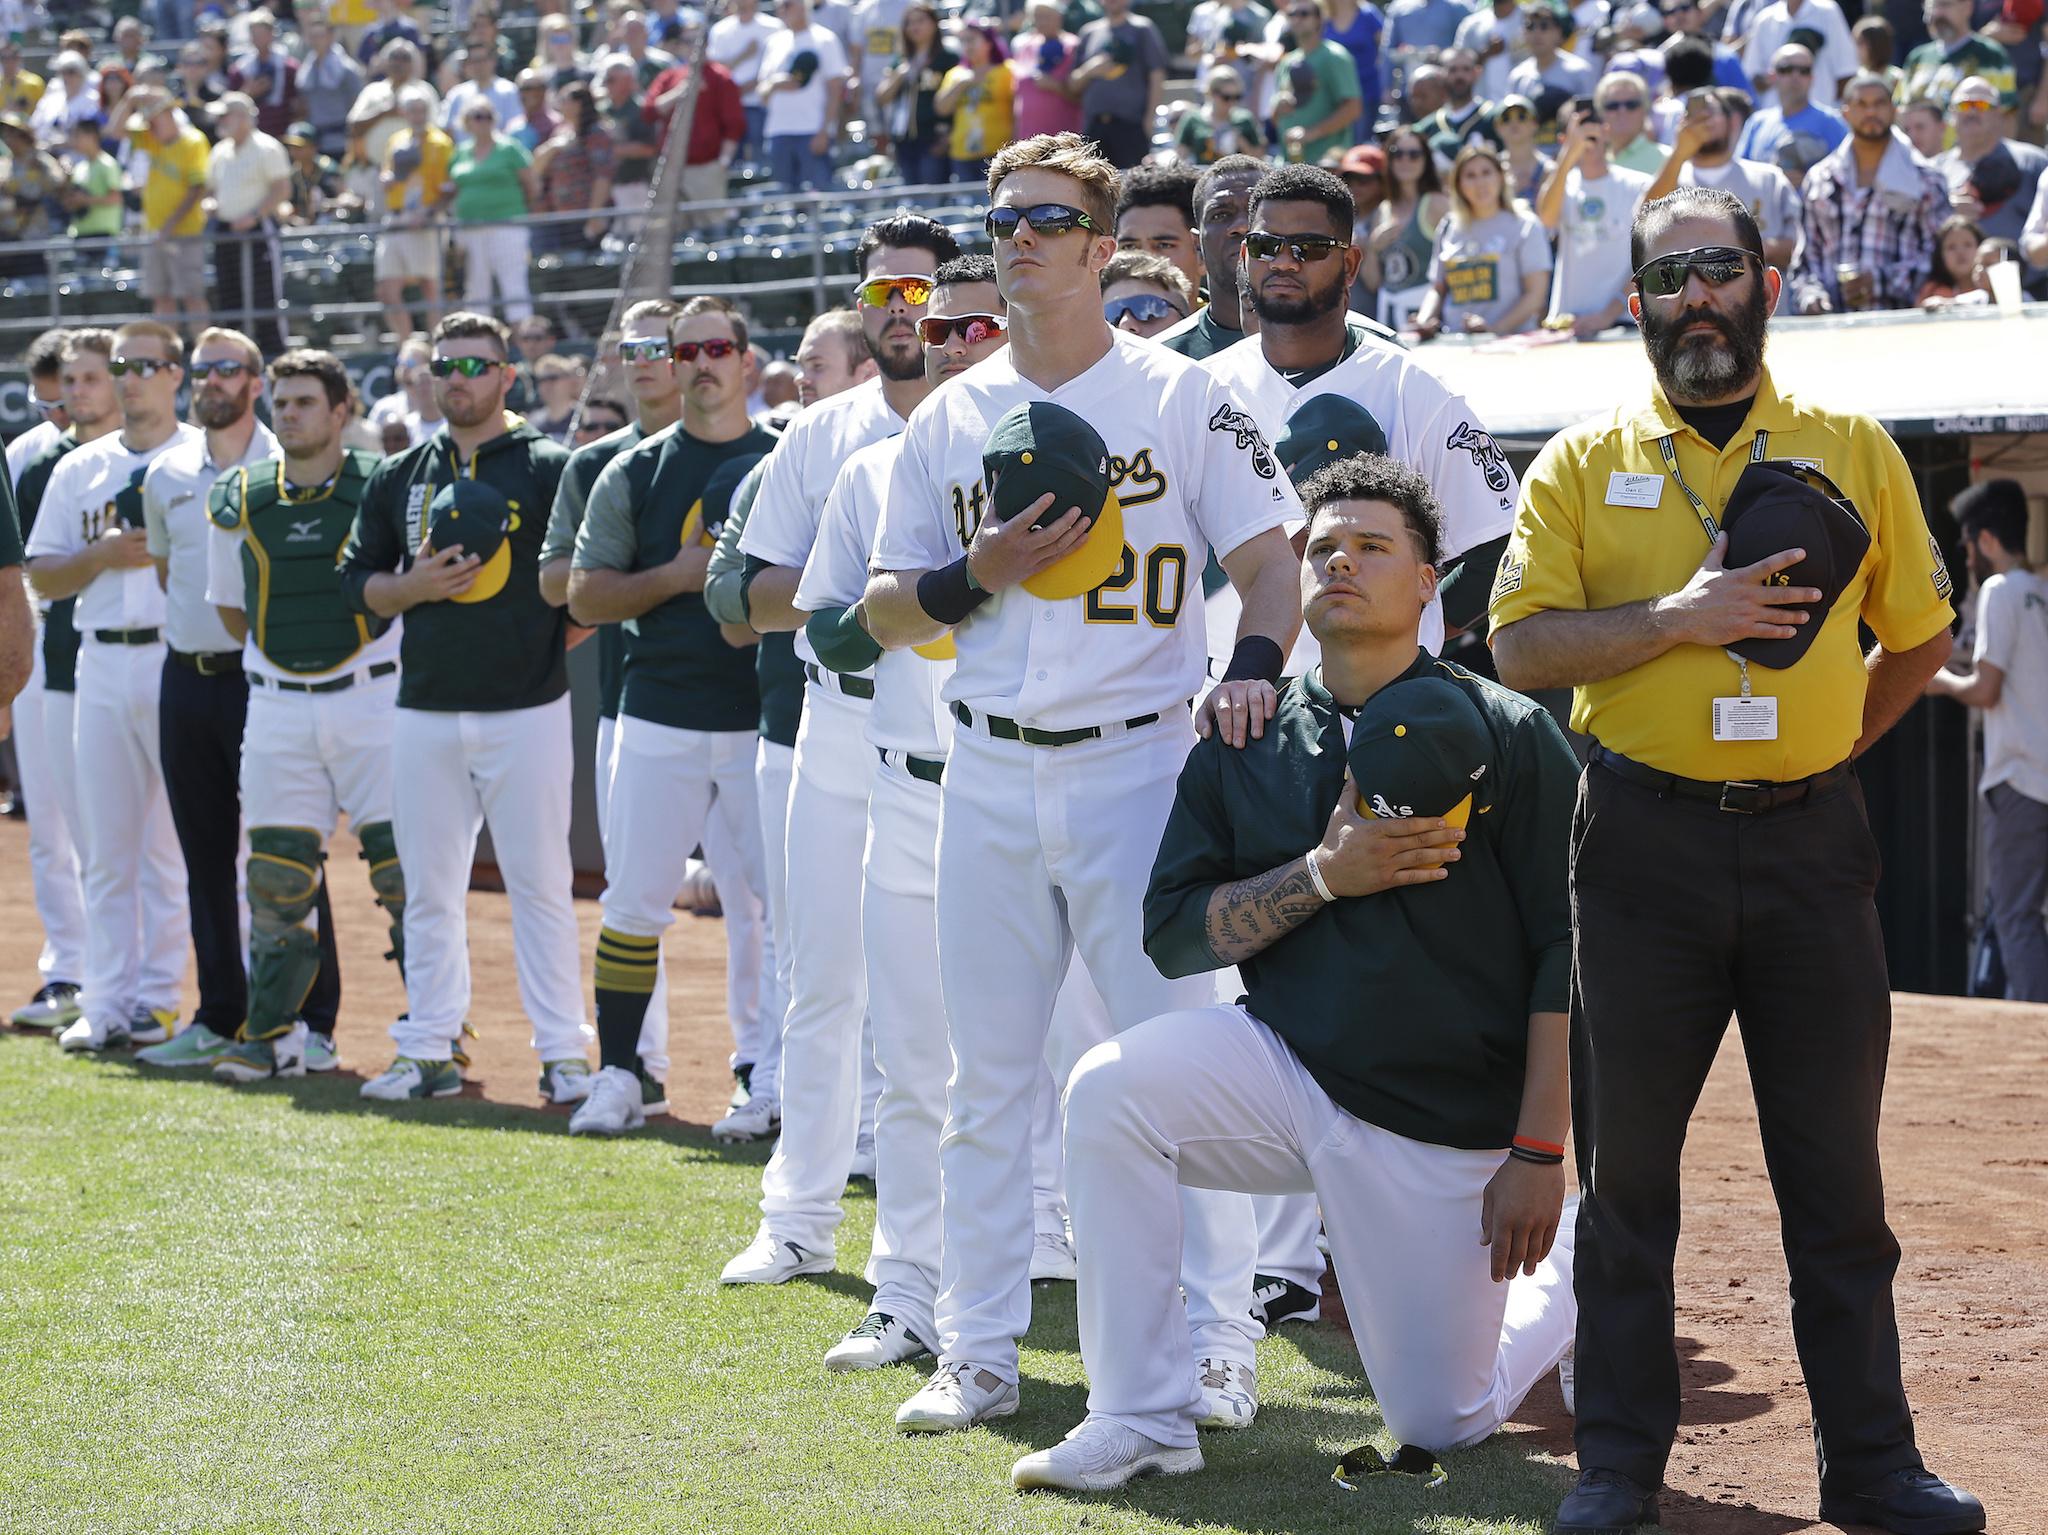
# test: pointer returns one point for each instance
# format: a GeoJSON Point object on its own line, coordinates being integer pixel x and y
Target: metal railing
{"type": "Point", "coordinates": [794, 249]}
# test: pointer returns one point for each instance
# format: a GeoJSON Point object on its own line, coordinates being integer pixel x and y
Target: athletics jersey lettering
{"type": "Point", "coordinates": [1135, 480]}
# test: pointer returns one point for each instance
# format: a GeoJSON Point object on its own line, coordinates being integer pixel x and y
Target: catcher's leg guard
{"type": "Point", "coordinates": [387, 883]}
{"type": "Point", "coordinates": [284, 937]}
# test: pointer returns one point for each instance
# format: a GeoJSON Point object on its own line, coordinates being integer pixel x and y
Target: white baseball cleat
{"type": "Point", "coordinates": [612, 1106]}
{"type": "Point", "coordinates": [1052, 1258]}
{"type": "Point", "coordinates": [770, 1260]}
{"type": "Point", "coordinates": [86, 1035]}
{"type": "Point", "coordinates": [758, 1119]}
{"type": "Point", "coordinates": [1230, 1394]}
{"type": "Point", "coordinates": [321, 1054]}
{"type": "Point", "coordinates": [1568, 1380]}
{"type": "Point", "coordinates": [1098, 1455]}
{"type": "Point", "coordinates": [879, 1341]}
{"type": "Point", "coordinates": [958, 1396]}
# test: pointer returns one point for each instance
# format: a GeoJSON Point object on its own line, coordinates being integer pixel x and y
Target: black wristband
{"type": "Point", "coordinates": [1540, 1158]}
{"type": "Point", "coordinates": [1255, 656]}
{"type": "Point", "coordinates": [947, 594]}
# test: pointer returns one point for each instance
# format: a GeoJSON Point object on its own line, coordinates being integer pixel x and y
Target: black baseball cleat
{"type": "Point", "coordinates": [1910, 1501]}
{"type": "Point", "coordinates": [1276, 1300]}
{"type": "Point", "coordinates": [1605, 1503]}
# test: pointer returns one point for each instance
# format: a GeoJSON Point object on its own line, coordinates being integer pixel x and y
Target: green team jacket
{"type": "Point", "coordinates": [1409, 1007]}
{"type": "Point", "coordinates": [506, 652]}
{"type": "Point", "coordinates": [60, 634]}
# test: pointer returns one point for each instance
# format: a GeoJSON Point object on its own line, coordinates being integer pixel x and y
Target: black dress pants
{"type": "Point", "coordinates": [1683, 913]}
{"type": "Point", "coordinates": [200, 721]}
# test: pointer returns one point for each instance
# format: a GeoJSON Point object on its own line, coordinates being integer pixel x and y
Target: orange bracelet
{"type": "Point", "coordinates": [1530, 1143]}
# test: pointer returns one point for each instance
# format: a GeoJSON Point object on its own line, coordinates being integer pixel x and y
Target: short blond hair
{"type": "Point", "coordinates": [155, 330]}
{"type": "Point", "coordinates": [1069, 155]}
{"type": "Point", "coordinates": [233, 338]}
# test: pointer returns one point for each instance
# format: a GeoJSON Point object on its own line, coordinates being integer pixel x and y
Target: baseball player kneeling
{"type": "Point", "coordinates": [1385, 862]}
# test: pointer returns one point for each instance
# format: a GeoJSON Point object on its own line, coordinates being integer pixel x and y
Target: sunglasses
{"type": "Point", "coordinates": [1228, 95]}
{"type": "Point", "coordinates": [970, 328]}
{"type": "Point", "coordinates": [1537, 23]}
{"type": "Point", "coordinates": [1718, 266]}
{"type": "Point", "coordinates": [1512, 115]}
{"type": "Point", "coordinates": [1410, 153]}
{"type": "Point", "coordinates": [47, 407]}
{"type": "Point", "coordinates": [876, 292]}
{"type": "Point", "coordinates": [717, 351]}
{"type": "Point", "coordinates": [148, 367]}
{"type": "Point", "coordinates": [1970, 108]}
{"type": "Point", "coordinates": [1261, 246]}
{"type": "Point", "coordinates": [643, 351]}
{"type": "Point", "coordinates": [1142, 307]}
{"type": "Point", "coordinates": [206, 370]}
{"type": "Point", "coordinates": [468, 367]}
{"type": "Point", "coordinates": [1044, 219]}
{"type": "Point", "coordinates": [1793, 69]}
{"type": "Point", "coordinates": [1630, 106]}
{"type": "Point", "coordinates": [604, 426]}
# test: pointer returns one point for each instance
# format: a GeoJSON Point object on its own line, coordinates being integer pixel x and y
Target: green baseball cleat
{"type": "Point", "coordinates": [258, 1060]}
{"type": "Point", "coordinates": [196, 1046]}
{"type": "Point", "coordinates": [54, 1007]}
{"type": "Point", "coordinates": [408, 1078]}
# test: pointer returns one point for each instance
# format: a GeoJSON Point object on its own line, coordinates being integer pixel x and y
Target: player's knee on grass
{"type": "Point", "coordinates": [284, 940]}
{"type": "Point", "coordinates": [387, 882]}
{"type": "Point", "coordinates": [1437, 1424]}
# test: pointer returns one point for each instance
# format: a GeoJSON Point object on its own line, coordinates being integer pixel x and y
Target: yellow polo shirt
{"type": "Point", "coordinates": [1574, 548]}
{"type": "Point", "coordinates": [174, 168]}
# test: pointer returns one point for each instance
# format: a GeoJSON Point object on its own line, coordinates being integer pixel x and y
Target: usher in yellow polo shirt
{"type": "Point", "coordinates": [1579, 544]}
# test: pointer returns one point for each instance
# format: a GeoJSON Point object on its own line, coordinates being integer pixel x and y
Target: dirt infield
{"type": "Point", "coordinates": [1966, 1153]}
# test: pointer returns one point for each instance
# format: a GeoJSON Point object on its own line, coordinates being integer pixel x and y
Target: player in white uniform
{"type": "Point", "coordinates": [44, 360]}
{"type": "Point", "coordinates": [482, 724]}
{"type": "Point", "coordinates": [1306, 347]}
{"type": "Point", "coordinates": [911, 731]}
{"type": "Point", "coordinates": [822, 1055]}
{"type": "Point", "coordinates": [323, 700]}
{"type": "Point", "coordinates": [1401, 1049]}
{"type": "Point", "coordinates": [1070, 729]}
{"type": "Point", "coordinates": [89, 542]}
{"type": "Point", "coordinates": [42, 713]}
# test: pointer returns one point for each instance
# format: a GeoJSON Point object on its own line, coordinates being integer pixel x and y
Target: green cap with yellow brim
{"type": "Point", "coordinates": [1039, 447]}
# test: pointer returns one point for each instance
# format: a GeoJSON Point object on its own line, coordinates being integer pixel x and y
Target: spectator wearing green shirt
{"type": "Point", "coordinates": [1318, 100]}
{"type": "Point", "coordinates": [494, 187]}
{"type": "Point", "coordinates": [1937, 67]}
{"type": "Point", "coordinates": [94, 192]}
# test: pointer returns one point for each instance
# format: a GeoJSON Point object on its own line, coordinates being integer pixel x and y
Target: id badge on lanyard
{"type": "Point", "coordinates": [1746, 717]}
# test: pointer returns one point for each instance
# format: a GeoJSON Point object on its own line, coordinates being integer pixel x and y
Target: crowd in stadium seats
{"type": "Point", "coordinates": [1496, 151]}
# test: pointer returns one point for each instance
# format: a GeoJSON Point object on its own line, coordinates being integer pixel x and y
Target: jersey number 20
{"type": "Point", "coordinates": [1166, 588]}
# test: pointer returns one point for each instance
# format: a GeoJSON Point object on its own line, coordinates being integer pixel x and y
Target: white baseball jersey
{"type": "Point", "coordinates": [1190, 469]}
{"type": "Point", "coordinates": [92, 489]}
{"type": "Point", "coordinates": [28, 445]}
{"type": "Point", "coordinates": [1428, 427]}
{"type": "Point", "coordinates": [800, 473]}
{"type": "Point", "coordinates": [174, 494]}
{"type": "Point", "coordinates": [908, 714]}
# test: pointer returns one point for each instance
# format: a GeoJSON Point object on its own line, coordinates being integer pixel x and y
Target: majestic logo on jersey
{"type": "Point", "coordinates": [1485, 453]}
{"type": "Point", "coordinates": [304, 532]}
{"type": "Point", "coordinates": [1229, 418]}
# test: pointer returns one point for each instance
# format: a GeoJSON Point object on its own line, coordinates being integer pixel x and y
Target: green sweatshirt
{"type": "Point", "coordinates": [506, 652]}
{"type": "Point", "coordinates": [1409, 1007]}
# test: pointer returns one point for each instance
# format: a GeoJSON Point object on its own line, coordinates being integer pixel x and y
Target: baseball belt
{"type": "Point", "coordinates": [331, 685]}
{"type": "Point", "coordinates": [924, 769]}
{"type": "Point", "coordinates": [208, 663]}
{"type": "Point", "coordinates": [1001, 729]}
{"type": "Point", "coordinates": [839, 682]}
{"type": "Point", "coordinates": [1736, 796]}
{"type": "Point", "coordinates": [127, 636]}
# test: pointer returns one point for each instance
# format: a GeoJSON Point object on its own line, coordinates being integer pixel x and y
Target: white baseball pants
{"type": "Point", "coordinates": [1211, 1098]}
{"type": "Point", "coordinates": [137, 922]}
{"type": "Point", "coordinates": [738, 874]}
{"type": "Point", "coordinates": [496, 255]}
{"type": "Point", "coordinates": [456, 773]}
{"type": "Point", "coordinates": [654, 1027]}
{"type": "Point", "coordinates": [1288, 1223]}
{"type": "Point", "coordinates": [45, 760]}
{"type": "Point", "coordinates": [1043, 851]}
{"type": "Point", "coordinates": [309, 757]}
{"type": "Point", "coordinates": [803, 1183]}
{"type": "Point", "coordinates": [669, 787]}
{"type": "Point", "coordinates": [899, 922]}
{"type": "Point", "coordinates": [774, 767]}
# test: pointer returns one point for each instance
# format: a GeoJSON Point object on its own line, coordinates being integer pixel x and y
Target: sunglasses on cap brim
{"type": "Point", "coordinates": [1717, 265]}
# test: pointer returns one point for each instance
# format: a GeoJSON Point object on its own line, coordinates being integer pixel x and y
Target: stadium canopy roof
{"type": "Point", "coordinates": [1956, 372]}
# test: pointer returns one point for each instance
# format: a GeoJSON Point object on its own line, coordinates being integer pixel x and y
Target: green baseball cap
{"type": "Point", "coordinates": [1420, 748]}
{"type": "Point", "coordinates": [1039, 447]}
{"type": "Point", "coordinates": [475, 516]}
{"type": "Point", "coordinates": [803, 65]}
{"type": "Point", "coordinates": [706, 518]}
{"type": "Point", "coordinates": [1780, 505]}
{"type": "Point", "coordinates": [1324, 429]}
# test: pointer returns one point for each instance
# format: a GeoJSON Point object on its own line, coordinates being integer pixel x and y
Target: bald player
{"type": "Point", "coordinates": [822, 1090]}
{"type": "Point", "coordinates": [1070, 707]}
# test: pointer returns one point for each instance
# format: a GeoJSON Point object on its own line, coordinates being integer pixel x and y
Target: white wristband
{"type": "Point", "coordinates": [1315, 875]}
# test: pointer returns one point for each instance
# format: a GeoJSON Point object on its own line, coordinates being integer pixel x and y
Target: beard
{"type": "Point", "coordinates": [472, 411]}
{"type": "Point", "coordinates": [1706, 367]}
{"type": "Point", "coordinates": [1313, 304]}
{"type": "Point", "coordinates": [215, 411]}
{"type": "Point", "coordinates": [900, 359]}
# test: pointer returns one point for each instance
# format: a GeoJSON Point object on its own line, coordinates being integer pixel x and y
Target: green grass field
{"type": "Point", "coordinates": [284, 1310]}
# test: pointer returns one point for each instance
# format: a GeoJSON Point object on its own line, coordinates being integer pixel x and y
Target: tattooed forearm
{"type": "Point", "coordinates": [1249, 915]}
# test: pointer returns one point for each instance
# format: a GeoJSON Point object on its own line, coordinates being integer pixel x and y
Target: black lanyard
{"type": "Point", "coordinates": [1668, 446]}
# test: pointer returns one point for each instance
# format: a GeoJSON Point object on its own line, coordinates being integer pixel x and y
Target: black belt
{"type": "Point", "coordinates": [927, 769]}
{"type": "Point", "coordinates": [852, 687]}
{"type": "Point", "coordinates": [1737, 796]}
{"type": "Point", "coordinates": [208, 663]}
{"type": "Point", "coordinates": [331, 685]}
{"type": "Point", "coordinates": [1010, 730]}
{"type": "Point", "coordinates": [127, 636]}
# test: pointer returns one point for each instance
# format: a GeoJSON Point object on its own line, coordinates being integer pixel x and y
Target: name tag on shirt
{"type": "Point", "coordinates": [1745, 719]}
{"type": "Point", "coordinates": [1644, 490]}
